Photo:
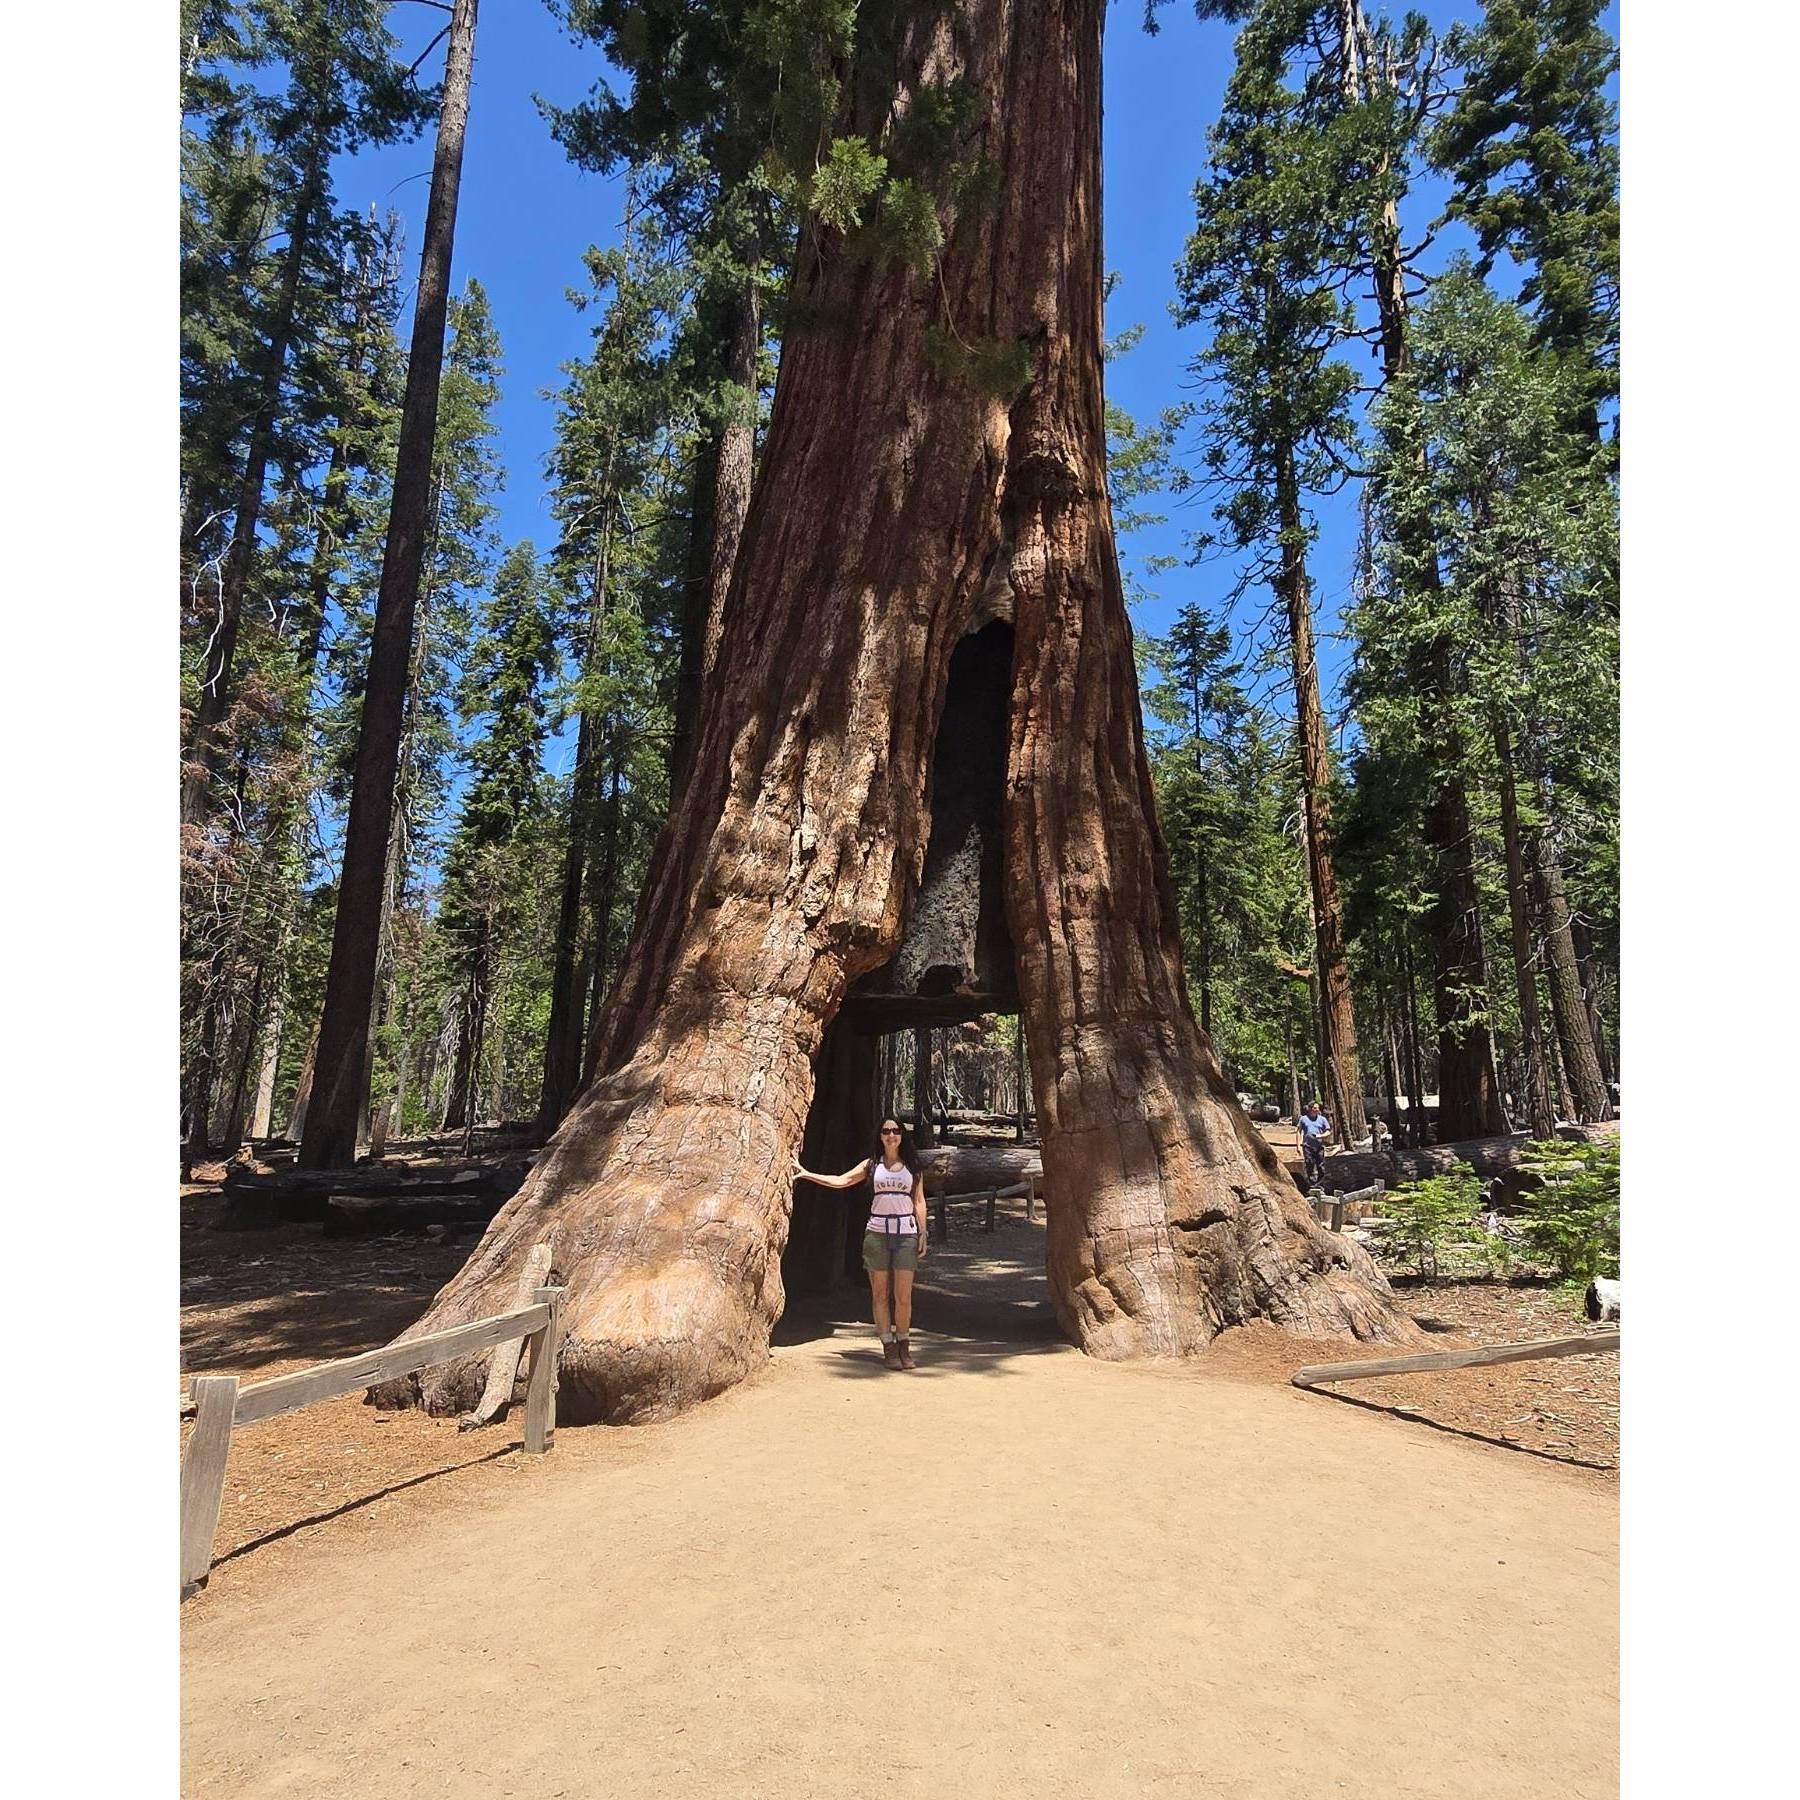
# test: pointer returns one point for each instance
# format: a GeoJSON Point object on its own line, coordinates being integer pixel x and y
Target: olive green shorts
{"type": "Point", "coordinates": [890, 1250]}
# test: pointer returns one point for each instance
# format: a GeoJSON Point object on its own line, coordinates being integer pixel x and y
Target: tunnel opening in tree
{"type": "Point", "coordinates": [954, 962]}
{"type": "Point", "coordinates": [934, 443]}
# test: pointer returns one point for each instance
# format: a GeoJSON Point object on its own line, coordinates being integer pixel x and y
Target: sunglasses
{"type": "Point", "coordinates": [890, 1131]}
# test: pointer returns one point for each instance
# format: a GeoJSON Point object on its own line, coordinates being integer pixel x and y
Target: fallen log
{"type": "Point", "coordinates": [1602, 1298]}
{"type": "Point", "coordinates": [1595, 1344]}
{"type": "Point", "coordinates": [974, 1168]}
{"type": "Point", "coordinates": [362, 1215]}
{"type": "Point", "coordinates": [1490, 1157]}
{"type": "Point", "coordinates": [254, 1201]}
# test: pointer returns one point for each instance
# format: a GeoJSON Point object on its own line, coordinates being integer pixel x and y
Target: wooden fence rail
{"type": "Point", "coordinates": [1594, 1344]}
{"type": "Point", "coordinates": [219, 1406]}
{"type": "Point", "coordinates": [989, 1197]}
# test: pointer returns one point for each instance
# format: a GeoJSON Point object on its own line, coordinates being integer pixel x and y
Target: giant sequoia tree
{"type": "Point", "coordinates": [932, 510]}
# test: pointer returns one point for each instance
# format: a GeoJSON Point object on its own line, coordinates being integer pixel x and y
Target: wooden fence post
{"type": "Point", "coordinates": [203, 1476]}
{"type": "Point", "coordinates": [503, 1369]}
{"type": "Point", "coordinates": [540, 1388]}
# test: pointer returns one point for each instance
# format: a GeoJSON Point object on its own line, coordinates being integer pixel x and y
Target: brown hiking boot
{"type": "Point", "coordinates": [906, 1361]}
{"type": "Point", "coordinates": [890, 1353]}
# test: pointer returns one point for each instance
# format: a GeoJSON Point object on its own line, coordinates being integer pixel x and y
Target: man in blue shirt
{"type": "Point", "coordinates": [1315, 1128]}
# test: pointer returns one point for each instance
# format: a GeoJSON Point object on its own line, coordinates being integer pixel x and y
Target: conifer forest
{"type": "Point", "coordinates": [882, 716]}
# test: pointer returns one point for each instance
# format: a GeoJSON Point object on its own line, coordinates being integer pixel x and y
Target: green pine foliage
{"type": "Point", "coordinates": [1228, 792]}
{"type": "Point", "coordinates": [1432, 1223]}
{"type": "Point", "coordinates": [1532, 143]}
{"type": "Point", "coordinates": [1572, 1221]}
{"type": "Point", "coordinates": [1271, 228]}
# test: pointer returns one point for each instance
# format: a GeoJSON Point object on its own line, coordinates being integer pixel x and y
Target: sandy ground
{"type": "Point", "coordinates": [1015, 1572]}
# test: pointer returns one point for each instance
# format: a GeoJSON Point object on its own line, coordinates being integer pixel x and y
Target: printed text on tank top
{"type": "Point", "coordinates": [893, 1206]}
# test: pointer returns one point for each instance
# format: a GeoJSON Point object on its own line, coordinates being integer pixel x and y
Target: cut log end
{"type": "Point", "coordinates": [1602, 1299]}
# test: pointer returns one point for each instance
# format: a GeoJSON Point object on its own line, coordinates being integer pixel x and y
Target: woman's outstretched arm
{"type": "Point", "coordinates": [849, 1178]}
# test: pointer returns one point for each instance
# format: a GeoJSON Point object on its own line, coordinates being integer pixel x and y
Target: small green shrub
{"type": "Point", "coordinates": [1430, 1217]}
{"type": "Point", "coordinates": [1572, 1221]}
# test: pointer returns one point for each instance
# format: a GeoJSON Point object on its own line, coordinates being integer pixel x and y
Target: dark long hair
{"type": "Point", "coordinates": [909, 1153]}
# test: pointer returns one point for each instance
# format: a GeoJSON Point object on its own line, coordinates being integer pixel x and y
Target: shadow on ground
{"type": "Point", "coordinates": [1415, 1415]}
{"type": "Point", "coordinates": [251, 1299]}
{"type": "Point", "coordinates": [981, 1301]}
{"type": "Point", "coordinates": [359, 1501]}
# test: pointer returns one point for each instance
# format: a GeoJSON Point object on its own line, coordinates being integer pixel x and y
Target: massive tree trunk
{"type": "Point", "coordinates": [341, 1072]}
{"type": "Point", "coordinates": [901, 507]}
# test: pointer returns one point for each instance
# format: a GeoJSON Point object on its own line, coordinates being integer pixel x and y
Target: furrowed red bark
{"type": "Point", "coordinates": [898, 507]}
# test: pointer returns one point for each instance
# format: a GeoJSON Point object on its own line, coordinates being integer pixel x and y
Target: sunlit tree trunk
{"type": "Point", "coordinates": [342, 1063]}
{"type": "Point", "coordinates": [901, 505]}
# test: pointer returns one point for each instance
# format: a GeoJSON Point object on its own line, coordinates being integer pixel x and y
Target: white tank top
{"type": "Point", "coordinates": [893, 1207]}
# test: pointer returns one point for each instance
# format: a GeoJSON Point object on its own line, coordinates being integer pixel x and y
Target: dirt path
{"type": "Point", "coordinates": [1016, 1572]}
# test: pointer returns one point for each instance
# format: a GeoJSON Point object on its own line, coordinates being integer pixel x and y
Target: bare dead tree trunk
{"type": "Point", "coordinates": [263, 1114]}
{"type": "Point", "coordinates": [720, 498]}
{"type": "Point", "coordinates": [1581, 942]}
{"type": "Point", "coordinates": [331, 1125]}
{"type": "Point", "coordinates": [1340, 1067]}
{"type": "Point", "coordinates": [606, 899]}
{"type": "Point", "coordinates": [1540, 1110]}
{"type": "Point", "coordinates": [562, 1039]}
{"type": "Point", "coordinates": [1390, 1070]}
{"type": "Point", "coordinates": [696, 604]}
{"type": "Point", "coordinates": [462, 1069]}
{"type": "Point", "coordinates": [303, 1086]}
{"type": "Point", "coordinates": [1592, 1103]}
{"type": "Point", "coordinates": [231, 1133]}
{"type": "Point", "coordinates": [734, 467]}
{"type": "Point", "coordinates": [894, 488]}
{"type": "Point", "coordinates": [1469, 1104]}
{"type": "Point", "coordinates": [1415, 1058]}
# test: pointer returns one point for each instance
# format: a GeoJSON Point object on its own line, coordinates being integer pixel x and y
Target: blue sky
{"type": "Point", "coordinates": [527, 214]}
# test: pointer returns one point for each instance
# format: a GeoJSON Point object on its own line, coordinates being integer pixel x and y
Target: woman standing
{"type": "Point", "coordinates": [894, 1241]}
